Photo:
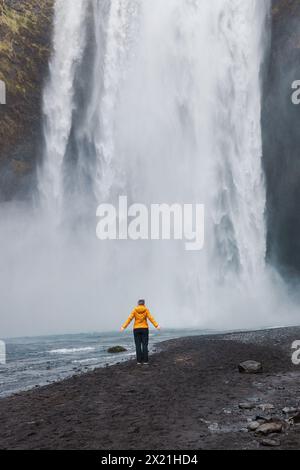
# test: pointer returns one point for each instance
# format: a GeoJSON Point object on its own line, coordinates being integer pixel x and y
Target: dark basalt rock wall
{"type": "Point", "coordinates": [281, 137]}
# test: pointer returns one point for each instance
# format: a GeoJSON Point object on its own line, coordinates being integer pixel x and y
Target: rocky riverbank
{"type": "Point", "coordinates": [192, 396]}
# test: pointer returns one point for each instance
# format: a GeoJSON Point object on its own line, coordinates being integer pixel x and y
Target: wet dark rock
{"type": "Point", "coordinates": [281, 137]}
{"type": "Point", "coordinates": [116, 350]}
{"type": "Point", "coordinates": [295, 419]}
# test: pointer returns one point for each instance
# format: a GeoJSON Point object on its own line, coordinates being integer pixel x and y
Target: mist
{"type": "Point", "coordinates": [54, 282]}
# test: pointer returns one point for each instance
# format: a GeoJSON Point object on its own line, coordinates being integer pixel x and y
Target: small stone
{"type": "Point", "coordinates": [214, 427]}
{"type": "Point", "coordinates": [250, 367]}
{"type": "Point", "coordinates": [262, 419]}
{"type": "Point", "coordinates": [270, 443]}
{"type": "Point", "coordinates": [257, 384]}
{"type": "Point", "coordinates": [253, 426]}
{"type": "Point", "coordinates": [247, 406]}
{"type": "Point", "coordinates": [266, 407]}
{"type": "Point", "coordinates": [288, 411]}
{"type": "Point", "coordinates": [204, 421]}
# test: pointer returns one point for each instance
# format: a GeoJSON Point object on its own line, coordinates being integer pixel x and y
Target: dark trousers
{"type": "Point", "coordinates": [141, 339]}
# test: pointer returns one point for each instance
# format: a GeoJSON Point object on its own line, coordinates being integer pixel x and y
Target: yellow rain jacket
{"type": "Point", "coordinates": [140, 315]}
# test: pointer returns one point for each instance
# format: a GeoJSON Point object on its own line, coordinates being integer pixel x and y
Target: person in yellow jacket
{"type": "Point", "coordinates": [141, 315]}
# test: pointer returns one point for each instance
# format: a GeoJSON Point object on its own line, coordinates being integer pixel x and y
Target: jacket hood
{"type": "Point", "coordinates": [141, 309]}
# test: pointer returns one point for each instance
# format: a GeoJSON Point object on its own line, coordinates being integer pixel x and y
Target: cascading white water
{"type": "Point", "coordinates": [68, 47]}
{"type": "Point", "coordinates": [166, 108]}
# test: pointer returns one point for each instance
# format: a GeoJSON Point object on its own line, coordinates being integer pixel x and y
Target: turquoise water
{"type": "Point", "coordinates": [38, 361]}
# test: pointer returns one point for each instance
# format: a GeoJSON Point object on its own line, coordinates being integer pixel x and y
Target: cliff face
{"type": "Point", "coordinates": [25, 44]}
{"type": "Point", "coordinates": [281, 136]}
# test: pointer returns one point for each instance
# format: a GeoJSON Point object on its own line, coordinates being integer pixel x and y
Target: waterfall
{"type": "Point", "coordinates": [68, 48]}
{"type": "Point", "coordinates": [161, 101]}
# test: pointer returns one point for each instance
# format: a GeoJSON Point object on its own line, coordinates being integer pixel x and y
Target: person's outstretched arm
{"type": "Point", "coordinates": [128, 321]}
{"type": "Point", "coordinates": [153, 321]}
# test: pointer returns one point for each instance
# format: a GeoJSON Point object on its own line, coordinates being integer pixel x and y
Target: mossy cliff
{"type": "Point", "coordinates": [25, 45]}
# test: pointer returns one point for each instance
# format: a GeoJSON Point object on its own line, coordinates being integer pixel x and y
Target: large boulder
{"type": "Point", "coordinates": [273, 427]}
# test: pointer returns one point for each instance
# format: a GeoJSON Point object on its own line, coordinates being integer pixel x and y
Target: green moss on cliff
{"type": "Point", "coordinates": [25, 44]}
